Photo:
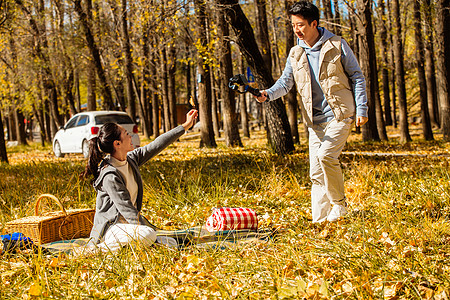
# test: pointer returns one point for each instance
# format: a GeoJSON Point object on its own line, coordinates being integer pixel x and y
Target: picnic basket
{"type": "Point", "coordinates": [54, 226]}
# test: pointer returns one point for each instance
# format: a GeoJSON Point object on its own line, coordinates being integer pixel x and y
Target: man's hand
{"type": "Point", "coordinates": [360, 121]}
{"type": "Point", "coordinates": [261, 98]}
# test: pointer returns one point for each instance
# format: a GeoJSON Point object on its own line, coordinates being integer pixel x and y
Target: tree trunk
{"type": "Point", "coordinates": [337, 18]}
{"type": "Point", "coordinates": [146, 122]}
{"type": "Point", "coordinates": [77, 89]}
{"type": "Point", "coordinates": [145, 107]}
{"type": "Point", "coordinates": [353, 42]}
{"type": "Point", "coordinates": [215, 95]}
{"type": "Point", "coordinates": [119, 89]}
{"type": "Point", "coordinates": [262, 33]}
{"type": "Point", "coordinates": [243, 101]}
{"type": "Point", "coordinates": [68, 86]}
{"type": "Point", "coordinates": [204, 81]}
{"type": "Point", "coordinates": [278, 130]}
{"type": "Point", "coordinates": [328, 14]}
{"type": "Point", "coordinates": [394, 89]}
{"type": "Point", "coordinates": [420, 58]}
{"type": "Point", "coordinates": [20, 126]}
{"type": "Point", "coordinates": [291, 97]}
{"type": "Point", "coordinates": [47, 121]}
{"type": "Point", "coordinates": [443, 63]}
{"type": "Point", "coordinates": [381, 127]}
{"type": "Point", "coordinates": [392, 69]}
{"type": "Point", "coordinates": [126, 49]}
{"type": "Point", "coordinates": [165, 89]}
{"type": "Point", "coordinates": [155, 114]}
{"type": "Point", "coordinates": [189, 93]}
{"type": "Point", "coordinates": [355, 46]}
{"type": "Point", "coordinates": [368, 67]}
{"type": "Point", "coordinates": [292, 113]}
{"type": "Point", "coordinates": [95, 53]}
{"type": "Point", "coordinates": [40, 118]}
{"type": "Point", "coordinates": [276, 53]}
{"type": "Point", "coordinates": [230, 120]}
{"type": "Point", "coordinates": [172, 67]}
{"type": "Point", "coordinates": [54, 109]}
{"type": "Point", "coordinates": [68, 71]}
{"type": "Point", "coordinates": [4, 12]}
{"type": "Point", "coordinates": [3, 153]}
{"type": "Point", "coordinates": [400, 73]}
{"type": "Point", "coordinates": [12, 132]}
{"type": "Point", "coordinates": [91, 86]}
{"type": "Point", "coordinates": [385, 63]}
{"type": "Point", "coordinates": [155, 97]}
{"type": "Point", "coordinates": [430, 69]}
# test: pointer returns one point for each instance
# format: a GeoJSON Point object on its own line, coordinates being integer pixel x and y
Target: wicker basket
{"type": "Point", "coordinates": [54, 226]}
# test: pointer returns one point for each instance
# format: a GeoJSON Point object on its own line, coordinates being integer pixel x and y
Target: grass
{"type": "Point", "coordinates": [395, 243]}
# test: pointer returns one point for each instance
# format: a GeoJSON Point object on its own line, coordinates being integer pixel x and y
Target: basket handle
{"type": "Point", "coordinates": [38, 201]}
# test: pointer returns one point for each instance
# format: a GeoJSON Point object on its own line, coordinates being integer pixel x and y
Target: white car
{"type": "Point", "coordinates": [74, 136]}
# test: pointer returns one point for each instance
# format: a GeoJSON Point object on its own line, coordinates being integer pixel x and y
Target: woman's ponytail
{"type": "Point", "coordinates": [99, 146]}
{"type": "Point", "coordinates": [94, 158]}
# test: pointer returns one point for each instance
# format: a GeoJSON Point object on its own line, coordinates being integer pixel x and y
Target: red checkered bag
{"type": "Point", "coordinates": [226, 218]}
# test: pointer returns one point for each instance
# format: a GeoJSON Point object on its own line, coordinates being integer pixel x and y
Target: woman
{"type": "Point", "coordinates": [118, 183]}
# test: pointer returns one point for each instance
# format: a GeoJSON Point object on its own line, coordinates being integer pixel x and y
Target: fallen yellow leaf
{"type": "Point", "coordinates": [425, 292]}
{"type": "Point", "coordinates": [347, 287]}
{"type": "Point", "coordinates": [192, 259]}
{"type": "Point", "coordinates": [191, 268]}
{"type": "Point", "coordinates": [35, 289]}
{"type": "Point", "coordinates": [185, 296]}
{"type": "Point", "coordinates": [323, 234]}
{"type": "Point", "coordinates": [301, 284]}
{"type": "Point", "coordinates": [441, 294]}
{"type": "Point", "coordinates": [324, 289]}
{"type": "Point", "coordinates": [312, 290]}
{"type": "Point", "coordinates": [54, 262]}
{"type": "Point", "coordinates": [390, 291]}
{"type": "Point", "coordinates": [109, 283]}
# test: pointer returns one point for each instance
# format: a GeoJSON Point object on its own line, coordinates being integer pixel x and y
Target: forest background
{"type": "Point", "coordinates": [150, 57]}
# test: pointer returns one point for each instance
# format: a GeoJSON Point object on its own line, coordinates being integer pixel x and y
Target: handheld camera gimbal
{"type": "Point", "coordinates": [239, 80]}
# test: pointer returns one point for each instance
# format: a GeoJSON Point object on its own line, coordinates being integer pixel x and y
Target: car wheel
{"type": "Point", "coordinates": [57, 150]}
{"type": "Point", "coordinates": [85, 148]}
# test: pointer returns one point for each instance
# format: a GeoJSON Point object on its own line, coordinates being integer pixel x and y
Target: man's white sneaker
{"type": "Point", "coordinates": [337, 211]}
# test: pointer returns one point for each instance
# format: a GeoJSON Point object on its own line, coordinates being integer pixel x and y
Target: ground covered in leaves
{"type": "Point", "coordinates": [395, 244]}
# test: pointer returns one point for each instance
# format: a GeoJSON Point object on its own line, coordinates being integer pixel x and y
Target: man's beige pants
{"type": "Point", "coordinates": [326, 141]}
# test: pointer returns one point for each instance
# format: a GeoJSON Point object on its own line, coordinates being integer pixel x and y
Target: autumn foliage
{"type": "Point", "coordinates": [394, 244]}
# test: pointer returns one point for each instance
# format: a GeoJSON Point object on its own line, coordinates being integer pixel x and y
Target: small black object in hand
{"type": "Point", "coordinates": [240, 80]}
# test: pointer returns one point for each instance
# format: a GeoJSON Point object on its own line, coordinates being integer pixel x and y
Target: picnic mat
{"type": "Point", "coordinates": [196, 237]}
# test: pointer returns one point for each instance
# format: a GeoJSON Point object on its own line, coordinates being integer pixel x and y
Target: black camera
{"type": "Point", "coordinates": [240, 80]}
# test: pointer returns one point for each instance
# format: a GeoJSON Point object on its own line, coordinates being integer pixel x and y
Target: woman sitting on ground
{"type": "Point", "coordinates": [118, 183]}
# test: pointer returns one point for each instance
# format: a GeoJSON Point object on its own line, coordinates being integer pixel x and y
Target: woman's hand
{"type": "Point", "coordinates": [191, 116]}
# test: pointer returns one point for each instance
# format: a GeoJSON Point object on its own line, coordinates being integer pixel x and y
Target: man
{"type": "Point", "coordinates": [332, 89]}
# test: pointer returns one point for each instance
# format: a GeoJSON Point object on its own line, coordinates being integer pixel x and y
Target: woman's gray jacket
{"type": "Point", "coordinates": [113, 198]}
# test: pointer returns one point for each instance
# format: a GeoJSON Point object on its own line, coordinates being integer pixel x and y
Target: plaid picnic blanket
{"type": "Point", "coordinates": [227, 218]}
{"type": "Point", "coordinates": [191, 237]}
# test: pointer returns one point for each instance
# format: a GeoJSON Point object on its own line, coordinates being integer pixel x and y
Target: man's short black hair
{"type": "Point", "coordinates": [306, 10]}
